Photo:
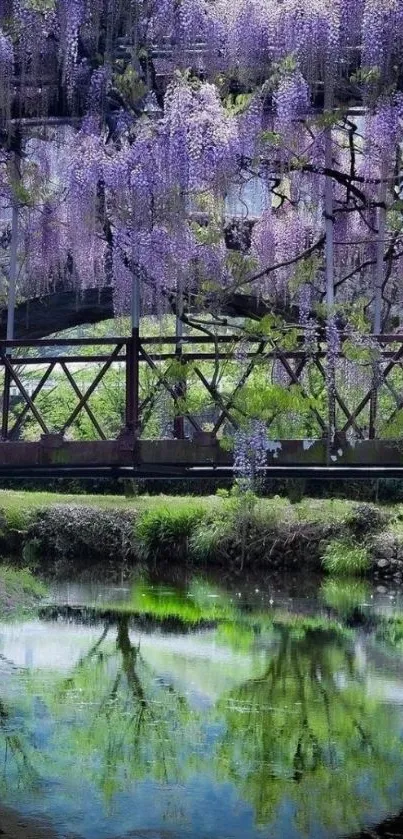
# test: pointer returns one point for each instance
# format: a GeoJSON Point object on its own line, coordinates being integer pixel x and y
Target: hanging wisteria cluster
{"type": "Point", "coordinates": [170, 105]}
{"type": "Point", "coordinates": [245, 87]}
{"type": "Point", "coordinates": [250, 453]}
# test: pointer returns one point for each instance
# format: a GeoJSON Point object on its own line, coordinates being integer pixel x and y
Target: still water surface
{"type": "Point", "coordinates": [205, 711]}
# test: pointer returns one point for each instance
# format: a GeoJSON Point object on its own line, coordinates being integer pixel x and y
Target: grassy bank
{"type": "Point", "coordinates": [20, 591]}
{"type": "Point", "coordinates": [101, 536]}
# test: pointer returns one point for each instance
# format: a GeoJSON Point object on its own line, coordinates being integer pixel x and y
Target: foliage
{"type": "Point", "coordinates": [343, 558]}
{"type": "Point", "coordinates": [252, 534]}
{"type": "Point", "coordinates": [58, 402]}
{"type": "Point", "coordinates": [16, 516]}
{"type": "Point", "coordinates": [262, 687]}
{"type": "Point", "coordinates": [208, 537]}
{"type": "Point", "coordinates": [65, 536]}
{"type": "Point", "coordinates": [367, 519]}
{"type": "Point", "coordinates": [267, 401]}
{"type": "Point", "coordinates": [164, 532]}
{"type": "Point", "coordinates": [164, 162]}
{"type": "Point", "coordinates": [285, 409]}
{"type": "Point", "coordinates": [199, 603]}
{"type": "Point", "coordinates": [62, 532]}
{"type": "Point", "coordinates": [297, 744]}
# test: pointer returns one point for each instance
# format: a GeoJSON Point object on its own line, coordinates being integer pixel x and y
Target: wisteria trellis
{"type": "Point", "coordinates": [178, 100]}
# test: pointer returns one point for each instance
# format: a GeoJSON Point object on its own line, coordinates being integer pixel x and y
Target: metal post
{"type": "Point", "coordinates": [378, 288]}
{"type": "Point", "coordinates": [12, 286]}
{"type": "Point", "coordinates": [129, 428]}
{"type": "Point", "coordinates": [180, 389]}
{"type": "Point", "coordinates": [373, 404]}
{"type": "Point", "coordinates": [329, 256]}
{"type": "Point", "coordinates": [6, 404]}
{"type": "Point", "coordinates": [380, 251]}
{"type": "Point", "coordinates": [13, 272]}
{"type": "Point", "coordinates": [132, 364]}
{"type": "Point", "coordinates": [329, 220]}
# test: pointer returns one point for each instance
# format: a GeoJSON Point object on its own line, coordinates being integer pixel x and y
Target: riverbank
{"type": "Point", "coordinates": [20, 591]}
{"type": "Point", "coordinates": [15, 826]}
{"type": "Point", "coordinates": [110, 537]}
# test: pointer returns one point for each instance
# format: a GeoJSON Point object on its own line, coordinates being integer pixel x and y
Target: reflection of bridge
{"type": "Point", "coordinates": [358, 415]}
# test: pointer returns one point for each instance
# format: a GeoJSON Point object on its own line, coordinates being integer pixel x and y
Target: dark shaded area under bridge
{"type": "Point", "coordinates": [42, 316]}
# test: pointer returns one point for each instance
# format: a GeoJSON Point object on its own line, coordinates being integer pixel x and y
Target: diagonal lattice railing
{"type": "Point", "coordinates": [166, 387]}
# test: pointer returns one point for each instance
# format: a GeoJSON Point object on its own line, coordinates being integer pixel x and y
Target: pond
{"type": "Point", "coordinates": [200, 709]}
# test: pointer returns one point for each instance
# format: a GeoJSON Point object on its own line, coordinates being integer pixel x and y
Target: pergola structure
{"type": "Point", "coordinates": [345, 439]}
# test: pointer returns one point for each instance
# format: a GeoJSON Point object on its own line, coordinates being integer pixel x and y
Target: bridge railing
{"type": "Point", "coordinates": [34, 371]}
{"type": "Point", "coordinates": [195, 385]}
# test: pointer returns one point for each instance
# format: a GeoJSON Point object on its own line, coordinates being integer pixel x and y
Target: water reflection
{"type": "Point", "coordinates": [199, 713]}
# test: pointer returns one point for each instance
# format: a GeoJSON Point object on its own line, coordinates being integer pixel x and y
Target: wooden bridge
{"type": "Point", "coordinates": [33, 371]}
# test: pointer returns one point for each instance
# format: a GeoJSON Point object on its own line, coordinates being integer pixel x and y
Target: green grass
{"type": "Point", "coordinates": [166, 528]}
{"type": "Point", "coordinates": [235, 626]}
{"type": "Point", "coordinates": [18, 507]}
{"type": "Point", "coordinates": [345, 559]}
{"type": "Point", "coordinates": [16, 504]}
{"type": "Point", "coordinates": [20, 591]}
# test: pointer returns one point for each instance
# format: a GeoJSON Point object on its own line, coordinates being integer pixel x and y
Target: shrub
{"type": "Point", "coordinates": [257, 537]}
{"type": "Point", "coordinates": [367, 519]}
{"type": "Point", "coordinates": [342, 557]}
{"type": "Point", "coordinates": [67, 536]}
{"type": "Point", "coordinates": [228, 534]}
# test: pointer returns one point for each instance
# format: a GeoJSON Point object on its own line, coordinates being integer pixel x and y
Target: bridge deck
{"type": "Point", "coordinates": [178, 459]}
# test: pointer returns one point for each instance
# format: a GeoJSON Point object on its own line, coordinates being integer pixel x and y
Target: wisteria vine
{"type": "Point", "coordinates": [173, 105]}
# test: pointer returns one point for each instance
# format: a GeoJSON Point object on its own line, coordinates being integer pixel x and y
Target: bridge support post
{"type": "Point", "coordinates": [373, 405]}
{"type": "Point", "coordinates": [15, 175]}
{"type": "Point", "coordinates": [6, 404]}
{"type": "Point", "coordinates": [132, 364]}
{"type": "Point", "coordinates": [132, 389]}
{"type": "Point", "coordinates": [180, 387]}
